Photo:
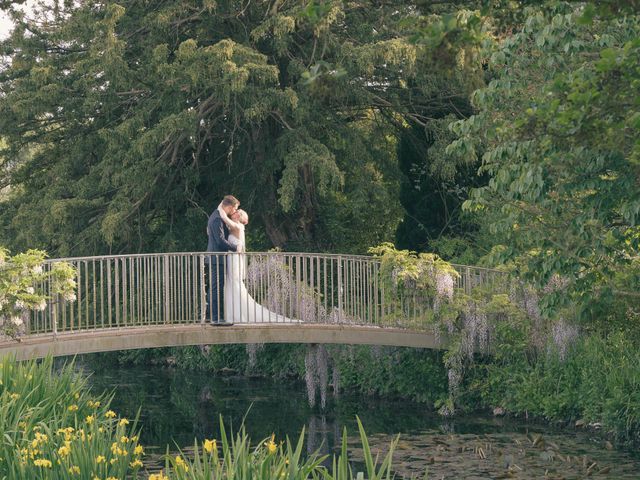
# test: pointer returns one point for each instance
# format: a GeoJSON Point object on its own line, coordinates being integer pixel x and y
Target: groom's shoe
{"type": "Point", "coordinates": [220, 323]}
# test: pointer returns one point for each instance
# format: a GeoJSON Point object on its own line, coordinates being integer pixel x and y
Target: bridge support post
{"type": "Point", "coordinates": [54, 315]}
{"type": "Point", "coordinates": [340, 288]}
{"type": "Point", "coordinates": [203, 290]}
{"type": "Point", "coordinates": [167, 299]}
{"type": "Point", "coordinates": [467, 281]}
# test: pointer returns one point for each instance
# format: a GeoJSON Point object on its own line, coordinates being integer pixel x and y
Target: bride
{"type": "Point", "coordinates": [239, 306]}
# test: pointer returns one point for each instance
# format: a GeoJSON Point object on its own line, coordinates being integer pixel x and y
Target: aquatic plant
{"type": "Point", "coordinates": [233, 456]}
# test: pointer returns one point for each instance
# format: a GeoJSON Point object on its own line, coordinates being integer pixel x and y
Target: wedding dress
{"type": "Point", "coordinates": [239, 306]}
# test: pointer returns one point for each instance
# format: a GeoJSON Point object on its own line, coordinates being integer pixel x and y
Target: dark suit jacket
{"type": "Point", "coordinates": [217, 232]}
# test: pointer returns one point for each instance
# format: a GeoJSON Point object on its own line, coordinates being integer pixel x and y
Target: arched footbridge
{"type": "Point", "coordinates": [156, 300]}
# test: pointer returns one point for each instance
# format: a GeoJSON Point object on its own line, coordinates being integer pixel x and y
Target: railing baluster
{"type": "Point", "coordinates": [140, 289]}
{"type": "Point", "coordinates": [352, 285]}
{"type": "Point", "coordinates": [94, 293]}
{"type": "Point", "coordinates": [125, 303]}
{"type": "Point", "coordinates": [117, 290]}
{"type": "Point", "coordinates": [53, 304]}
{"type": "Point", "coordinates": [318, 290]}
{"type": "Point", "coordinates": [201, 288]}
{"type": "Point", "coordinates": [132, 292]}
{"type": "Point", "coordinates": [194, 291]}
{"type": "Point", "coordinates": [184, 272]}
{"type": "Point", "coordinates": [148, 320]}
{"type": "Point", "coordinates": [179, 290]}
{"type": "Point", "coordinates": [340, 289]}
{"type": "Point", "coordinates": [102, 287]}
{"type": "Point", "coordinates": [359, 281]}
{"type": "Point", "coordinates": [165, 276]}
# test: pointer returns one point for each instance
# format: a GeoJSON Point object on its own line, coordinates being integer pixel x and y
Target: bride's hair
{"type": "Point", "coordinates": [243, 217]}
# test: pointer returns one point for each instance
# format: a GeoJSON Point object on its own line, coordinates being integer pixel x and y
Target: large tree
{"type": "Point", "coordinates": [126, 122]}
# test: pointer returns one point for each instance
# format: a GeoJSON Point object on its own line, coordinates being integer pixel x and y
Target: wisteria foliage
{"type": "Point", "coordinates": [23, 279]}
{"type": "Point", "coordinates": [316, 362]}
{"type": "Point", "coordinates": [466, 319]}
{"type": "Point", "coordinates": [463, 319]}
{"type": "Point", "coordinates": [280, 290]}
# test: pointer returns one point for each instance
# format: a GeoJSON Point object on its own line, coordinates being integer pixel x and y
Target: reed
{"type": "Point", "coordinates": [233, 457]}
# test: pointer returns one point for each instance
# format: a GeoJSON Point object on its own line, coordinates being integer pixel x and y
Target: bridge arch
{"type": "Point", "coordinates": [104, 340]}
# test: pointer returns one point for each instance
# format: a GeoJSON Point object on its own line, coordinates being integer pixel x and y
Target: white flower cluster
{"type": "Point", "coordinates": [271, 272]}
{"type": "Point", "coordinates": [556, 283]}
{"type": "Point", "coordinates": [69, 296]}
{"type": "Point", "coordinates": [564, 336]}
{"type": "Point", "coordinates": [476, 331]}
{"type": "Point", "coordinates": [444, 285]}
{"type": "Point", "coordinates": [455, 377]}
{"type": "Point", "coordinates": [337, 316]}
{"type": "Point", "coordinates": [394, 278]}
{"type": "Point", "coordinates": [316, 363]}
{"type": "Point", "coordinates": [284, 296]}
{"type": "Point", "coordinates": [444, 289]}
{"type": "Point", "coordinates": [252, 353]}
{"type": "Point", "coordinates": [530, 304]}
{"type": "Point", "coordinates": [19, 295]}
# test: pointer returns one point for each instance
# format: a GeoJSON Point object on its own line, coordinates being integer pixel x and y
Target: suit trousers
{"type": "Point", "coordinates": [215, 291]}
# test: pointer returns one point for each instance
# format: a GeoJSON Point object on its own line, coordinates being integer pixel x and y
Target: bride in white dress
{"type": "Point", "coordinates": [239, 306]}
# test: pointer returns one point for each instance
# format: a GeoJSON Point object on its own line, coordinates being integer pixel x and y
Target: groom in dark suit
{"type": "Point", "coordinates": [218, 234]}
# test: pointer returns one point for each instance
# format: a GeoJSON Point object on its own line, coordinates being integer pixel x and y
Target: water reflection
{"type": "Point", "coordinates": [177, 406]}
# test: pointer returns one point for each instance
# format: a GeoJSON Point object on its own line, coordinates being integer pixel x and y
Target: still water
{"type": "Point", "coordinates": [178, 406]}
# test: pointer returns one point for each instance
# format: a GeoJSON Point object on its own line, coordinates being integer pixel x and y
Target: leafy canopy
{"type": "Point", "coordinates": [557, 131]}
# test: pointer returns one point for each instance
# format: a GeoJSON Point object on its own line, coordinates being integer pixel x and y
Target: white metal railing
{"type": "Point", "coordinates": [171, 288]}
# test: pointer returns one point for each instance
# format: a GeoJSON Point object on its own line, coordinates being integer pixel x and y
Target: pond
{"type": "Point", "coordinates": [177, 406]}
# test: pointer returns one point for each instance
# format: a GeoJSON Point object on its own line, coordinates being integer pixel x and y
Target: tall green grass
{"type": "Point", "coordinates": [53, 428]}
{"type": "Point", "coordinates": [598, 382]}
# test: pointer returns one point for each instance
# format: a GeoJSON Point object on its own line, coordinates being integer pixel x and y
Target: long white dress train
{"type": "Point", "coordinates": [239, 306]}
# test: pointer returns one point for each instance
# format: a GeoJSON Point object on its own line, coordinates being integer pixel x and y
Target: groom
{"type": "Point", "coordinates": [218, 234]}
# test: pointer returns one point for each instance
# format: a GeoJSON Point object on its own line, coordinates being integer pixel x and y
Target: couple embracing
{"type": "Point", "coordinates": [228, 300]}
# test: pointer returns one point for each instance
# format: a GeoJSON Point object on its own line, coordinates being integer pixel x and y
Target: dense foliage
{"type": "Point", "coordinates": [22, 280]}
{"type": "Point", "coordinates": [125, 124]}
{"type": "Point", "coordinates": [597, 382]}
{"type": "Point", "coordinates": [557, 128]}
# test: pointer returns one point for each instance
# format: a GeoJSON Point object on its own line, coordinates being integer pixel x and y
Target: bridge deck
{"type": "Point", "coordinates": [39, 346]}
